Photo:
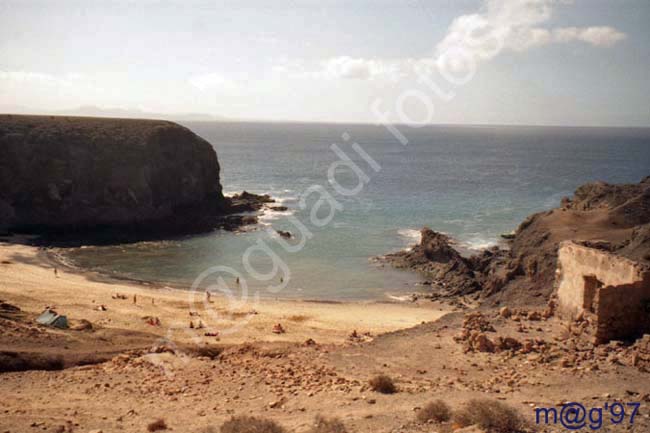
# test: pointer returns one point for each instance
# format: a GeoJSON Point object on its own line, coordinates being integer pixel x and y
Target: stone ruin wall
{"type": "Point", "coordinates": [613, 289]}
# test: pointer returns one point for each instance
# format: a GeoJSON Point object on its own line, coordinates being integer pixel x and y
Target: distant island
{"type": "Point", "coordinates": [121, 113]}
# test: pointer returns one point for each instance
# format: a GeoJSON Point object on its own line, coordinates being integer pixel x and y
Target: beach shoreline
{"type": "Point", "coordinates": [28, 280]}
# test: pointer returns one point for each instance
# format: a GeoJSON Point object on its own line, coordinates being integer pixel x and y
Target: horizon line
{"type": "Point", "coordinates": [225, 119]}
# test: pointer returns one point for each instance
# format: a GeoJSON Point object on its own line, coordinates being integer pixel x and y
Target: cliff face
{"type": "Point", "coordinates": [84, 173]}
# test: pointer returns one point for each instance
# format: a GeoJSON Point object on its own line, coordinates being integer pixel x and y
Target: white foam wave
{"type": "Point", "coordinates": [479, 244]}
{"type": "Point", "coordinates": [411, 237]}
{"type": "Point", "coordinates": [400, 298]}
{"type": "Point", "coordinates": [287, 199]}
{"type": "Point", "coordinates": [271, 215]}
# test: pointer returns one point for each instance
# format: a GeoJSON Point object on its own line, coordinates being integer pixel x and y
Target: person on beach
{"type": "Point", "coordinates": [56, 272]}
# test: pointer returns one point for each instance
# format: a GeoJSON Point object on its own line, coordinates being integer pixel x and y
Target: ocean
{"type": "Point", "coordinates": [471, 182]}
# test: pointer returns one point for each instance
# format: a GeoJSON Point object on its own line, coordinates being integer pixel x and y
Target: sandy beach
{"type": "Point", "coordinates": [27, 278]}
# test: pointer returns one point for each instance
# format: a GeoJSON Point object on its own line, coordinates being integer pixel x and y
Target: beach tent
{"type": "Point", "coordinates": [52, 318]}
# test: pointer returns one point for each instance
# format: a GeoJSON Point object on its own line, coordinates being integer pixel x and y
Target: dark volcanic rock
{"type": "Point", "coordinates": [615, 218]}
{"type": "Point", "coordinates": [284, 234]}
{"type": "Point", "coordinates": [439, 261]}
{"type": "Point", "coordinates": [76, 173]}
{"type": "Point", "coordinates": [607, 216]}
{"type": "Point", "coordinates": [248, 202]}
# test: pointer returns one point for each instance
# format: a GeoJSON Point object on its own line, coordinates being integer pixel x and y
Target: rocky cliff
{"type": "Point", "coordinates": [75, 173]}
{"type": "Point", "coordinates": [614, 218]}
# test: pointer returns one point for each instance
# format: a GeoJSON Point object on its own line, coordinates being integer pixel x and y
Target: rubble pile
{"type": "Point", "coordinates": [573, 348]}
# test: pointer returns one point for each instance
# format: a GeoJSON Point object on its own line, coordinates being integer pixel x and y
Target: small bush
{"type": "Point", "coordinates": [251, 424]}
{"type": "Point", "coordinates": [437, 411]}
{"type": "Point", "coordinates": [490, 415]}
{"type": "Point", "coordinates": [212, 352]}
{"type": "Point", "coordinates": [158, 424]}
{"type": "Point", "coordinates": [383, 384]}
{"type": "Point", "coordinates": [328, 425]}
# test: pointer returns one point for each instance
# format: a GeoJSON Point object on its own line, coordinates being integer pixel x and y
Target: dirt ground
{"type": "Point", "coordinates": [315, 367]}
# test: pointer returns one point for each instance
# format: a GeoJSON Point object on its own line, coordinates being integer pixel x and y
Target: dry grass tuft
{"type": "Point", "coordinates": [251, 424]}
{"type": "Point", "coordinates": [157, 425]}
{"type": "Point", "coordinates": [491, 415]}
{"type": "Point", "coordinates": [437, 411]}
{"type": "Point", "coordinates": [328, 425]}
{"type": "Point", "coordinates": [383, 384]}
{"type": "Point", "coordinates": [209, 351]}
{"type": "Point", "coordinates": [238, 314]}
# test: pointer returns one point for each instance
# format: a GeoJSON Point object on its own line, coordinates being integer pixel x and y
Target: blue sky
{"type": "Point", "coordinates": [581, 62]}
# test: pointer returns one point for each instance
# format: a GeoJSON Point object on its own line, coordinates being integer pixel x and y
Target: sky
{"type": "Point", "coordinates": [536, 62]}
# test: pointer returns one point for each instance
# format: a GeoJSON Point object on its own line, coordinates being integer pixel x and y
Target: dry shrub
{"type": "Point", "coordinates": [298, 318]}
{"type": "Point", "coordinates": [383, 384]}
{"type": "Point", "coordinates": [491, 415]}
{"type": "Point", "coordinates": [158, 424]}
{"type": "Point", "coordinates": [251, 424]}
{"type": "Point", "coordinates": [328, 425]}
{"type": "Point", "coordinates": [210, 351]}
{"type": "Point", "coordinates": [437, 411]}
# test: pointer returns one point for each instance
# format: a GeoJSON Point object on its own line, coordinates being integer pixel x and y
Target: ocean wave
{"type": "Point", "coordinates": [411, 237]}
{"type": "Point", "coordinates": [478, 244]}
{"type": "Point", "coordinates": [399, 298]}
{"type": "Point", "coordinates": [231, 192]}
{"type": "Point", "coordinates": [271, 215]}
{"type": "Point", "coordinates": [283, 195]}
{"type": "Point", "coordinates": [287, 199]}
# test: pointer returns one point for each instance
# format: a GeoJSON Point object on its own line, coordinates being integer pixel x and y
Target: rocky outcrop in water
{"type": "Point", "coordinates": [74, 174]}
{"type": "Point", "coordinates": [615, 218]}
{"type": "Point", "coordinates": [436, 258]}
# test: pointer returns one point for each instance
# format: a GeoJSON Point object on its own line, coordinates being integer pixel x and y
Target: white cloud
{"type": "Point", "coordinates": [603, 36]}
{"type": "Point", "coordinates": [211, 81]}
{"type": "Point", "coordinates": [342, 67]}
{"type": "Point", "coordinates": [347, 67]}
{"type": "Point", "coordinates": [360, 68]}
{"type": "Point", "coordinates": [512, 25]}
{"type": "Point", "coordinates": [516, 25]}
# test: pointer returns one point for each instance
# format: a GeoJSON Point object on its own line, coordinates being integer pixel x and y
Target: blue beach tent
{"type": "Point", "coordinates": [52, 318]}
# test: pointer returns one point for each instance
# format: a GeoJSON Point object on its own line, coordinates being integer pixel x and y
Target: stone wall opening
{"type": "Point", "coordinates": [591, 289]}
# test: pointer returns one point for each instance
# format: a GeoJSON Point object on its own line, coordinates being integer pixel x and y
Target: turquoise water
{"type": "Point", "coordinates": [473, 183]}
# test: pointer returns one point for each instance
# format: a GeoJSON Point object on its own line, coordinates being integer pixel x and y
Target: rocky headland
{"type": "Point", "coordinates": [615, 218]}
{"type": "Point", "coordinates": [127, 178]}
